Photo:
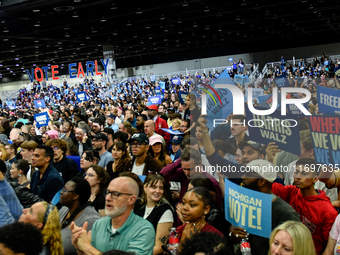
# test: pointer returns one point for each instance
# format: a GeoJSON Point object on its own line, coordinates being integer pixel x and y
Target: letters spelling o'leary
{"type": "Point", "coordinates": [238, 100]}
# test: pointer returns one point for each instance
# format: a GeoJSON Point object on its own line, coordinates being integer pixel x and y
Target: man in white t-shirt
{"type": "Point", "coordinates": [141, 162]}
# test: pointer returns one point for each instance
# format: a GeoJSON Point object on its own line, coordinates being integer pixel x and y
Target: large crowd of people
{"type": "Point", "coordinates": [114, 173]}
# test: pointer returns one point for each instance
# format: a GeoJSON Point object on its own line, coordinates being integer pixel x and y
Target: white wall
{"type": "Point", "coordinates": [166, 68]}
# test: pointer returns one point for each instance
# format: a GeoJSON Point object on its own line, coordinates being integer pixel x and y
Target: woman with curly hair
{"type": "Point", "coordinates": [121, 157]}
{"type": "Point", "coordinates": [157, 151]}
{"type": "Point", "coordinates": [46, 218]}
{"type": "Point", "coordinates": [98, 179]}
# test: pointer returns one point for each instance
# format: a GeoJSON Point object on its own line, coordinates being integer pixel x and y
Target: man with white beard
{"type": "Point", "coordinates": [121, 229]}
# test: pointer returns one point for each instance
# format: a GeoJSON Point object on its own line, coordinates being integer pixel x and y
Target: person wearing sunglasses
{"type": "Point", "coordinates": [122, 229]}
{"type": "Point", "coordinates": [141, 161]}
{"type": "Point", "coordinates": [74, 197]}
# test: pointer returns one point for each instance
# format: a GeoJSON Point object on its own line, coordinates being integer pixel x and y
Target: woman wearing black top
{"type": "Point", "coordinates": [98, 179]}
{"type": "Point", "coordinates": [121, 158]}
{"type": "Point", "coordinates": [155, 207]}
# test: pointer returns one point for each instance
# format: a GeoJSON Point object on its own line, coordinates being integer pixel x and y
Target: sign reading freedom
{"type": "Point", "coordinates": [326, 139]}
{"type": "Point", "coordinates": [249, 209]}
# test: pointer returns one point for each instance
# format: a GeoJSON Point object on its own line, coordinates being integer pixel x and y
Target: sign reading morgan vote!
{"type": "Point", "coordinates": [248, 209]}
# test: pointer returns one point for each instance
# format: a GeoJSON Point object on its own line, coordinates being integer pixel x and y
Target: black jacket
{"type": "Point", "coordinates": [151, 164]}
{"type": "Point", "coordinates": [25, 195]}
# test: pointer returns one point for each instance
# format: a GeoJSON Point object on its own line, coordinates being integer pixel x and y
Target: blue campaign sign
{"type": "Point", "coordinates": [39, 103]}
{"type": "Point", "coordinates": [218, 107]}
{"type": "Point", "coordinates": [162, 84]}
{"type": "Point", "coordinates": [155, 100]}
{"type": "Point", "coordinates": [326, 136]}
{"type": "Point", "coordinates": [282, 81]}
{"type": "Point", "coordinates": [328, 100]}
{"type": "Point", "coordinates": [267, 102]}
{"type": "Point", "coordinates": [182, 96]}
{"type": "Point", "coordinates": [176, 81]}
{"type": "Point", "coordinates": [248, 209]}
{"type": "Point", "coordinates": [42, 119]}
{"type": "Point", "coordinates": [172, 132]}
{"type": "Point", "coordinates": [11, 105]}
{"type": "Point", "coordinates": [283, 130]}
{"type": "Point", "coordinates": [81, 97]}
{"type": "Point", "coordinates": [240, 79]}
{"type": "Point", "coordinates": [256, 93]}
{"type": "Point", "coordinates": [230, 59]}
{"type": "Point", "coordinates": [293, 109]}
{"type": "Point", "coordinates": [47, 98]}
{"type": "Point", "coordinates": [262, 98]}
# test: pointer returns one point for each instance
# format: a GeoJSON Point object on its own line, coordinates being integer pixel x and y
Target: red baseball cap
{"type": "Point", "coordinates": [153, 107]}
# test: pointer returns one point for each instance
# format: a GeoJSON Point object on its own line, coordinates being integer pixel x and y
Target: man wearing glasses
{"type": "Point", "coordinates": [122, 229]}
{"type": "Point", "coordinates": [141, 161]}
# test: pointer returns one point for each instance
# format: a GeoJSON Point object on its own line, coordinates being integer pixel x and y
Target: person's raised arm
{"type": "Point", "coordinates": [208, 146]}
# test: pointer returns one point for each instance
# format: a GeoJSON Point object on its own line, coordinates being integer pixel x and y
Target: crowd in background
{"type": "Point", "coordinates": [85, 170]}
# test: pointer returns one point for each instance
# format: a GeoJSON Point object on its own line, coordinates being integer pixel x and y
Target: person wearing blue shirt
{"type": "Point", "coordinates": [121, 229]}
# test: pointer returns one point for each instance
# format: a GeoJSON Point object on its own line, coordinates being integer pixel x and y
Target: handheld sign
{"type": "Point", "coordinates": [283, 130]}
{"type": "Point", "coordinates": [81, 97]}
{"type": "Point", "coordinates": [39, 103]}
{"type": "Point", "coordinates": [155, 100]}
{"type": "Point", "coordinates": [172, 132]}
{"type": "Point", "coordinates": [282, 81]}
{"type": "Point", "coordinates": [230, 59]}
{"type": "Point", "coordinates": [326, 139]}
{"type": "Point", "coordinates": [328, 100]}
{"type": "Point", "coordinates": [248, 209]}
{"type": "Point", "coordinates": [162, 84]}
{"type": "Point", "coordinates": [11, 105]}
{"type": "Point", "coordinates": [182, 96]}
{"type": "Point", "coordinates": [42, 119]}
{"type": "Point", "coordinates": [176, 81]}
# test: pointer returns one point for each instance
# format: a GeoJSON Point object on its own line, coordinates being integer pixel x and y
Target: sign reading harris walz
{"type": "Point", "coordinates": [74, 69]}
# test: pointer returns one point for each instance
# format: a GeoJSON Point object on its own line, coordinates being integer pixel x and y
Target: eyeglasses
{"type": "Point", "coordinates": [66, 190]}
{"type": "Point", "coordinates": [90, 175]}
{"type": "Point", "coordinates": [76, 134]}
{"type": "Point", "coordinates": [55, 148]}
{"type": "Point", "coordinates": [138, 145]}
{"type": "Point", "coordinates": [115, 194]}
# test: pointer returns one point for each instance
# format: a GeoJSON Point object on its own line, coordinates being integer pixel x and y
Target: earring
{"type": "Point", "coordinates": [19, 175]}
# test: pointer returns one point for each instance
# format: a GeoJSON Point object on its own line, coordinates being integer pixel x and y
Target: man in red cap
{"type": "Point", "coordinates": [159, 122]}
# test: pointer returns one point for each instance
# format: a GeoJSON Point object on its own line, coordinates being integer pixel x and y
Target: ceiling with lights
{"type": "Point", "coordinates": [40, 32]}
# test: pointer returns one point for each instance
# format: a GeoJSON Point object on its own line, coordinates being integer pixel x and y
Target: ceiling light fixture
{"type": "Point", "coordinates": [75, 15]}
{"type": "Point", "coordinates": [139, 11]}
{"type": "Point", "coordinates": [102, 19]}
{"type": "Point", "coordinates": [5, 30]}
